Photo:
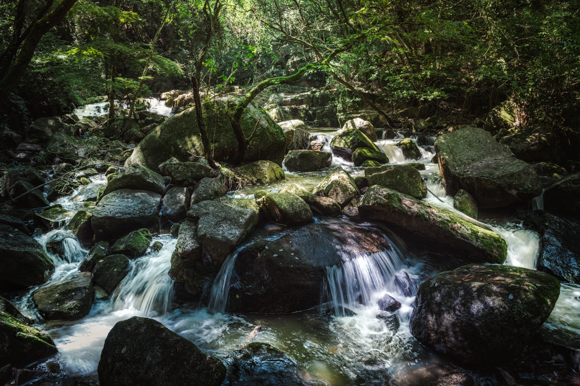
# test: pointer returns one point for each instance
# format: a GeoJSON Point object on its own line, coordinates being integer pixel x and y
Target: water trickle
{"type": "Point", "coordinates": [221, 286]}
{"type": "Point", "coordinates": [538, 201]}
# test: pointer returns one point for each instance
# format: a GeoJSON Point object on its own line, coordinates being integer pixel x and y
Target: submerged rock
{"type": "Point", "coordinates": [123, 211]}
{"type": "Point", "coordinates": [287, 274]}
{"type": "Point", "coordinates": [364, 126]}
{"type": "Point", "coordinates": [464, 202]}
{"type": "Point", "coordinates": [186, 173]}
{"type": "Point", "coordinates": [68, 299]}
{"type": "Point", "coordinates": [347, 141]}
{"type": "Point", "coordinates": [402, 178]}
{"type": "Point", "coordinates": [134, 244]}
{"type": "Point", "coordinates": [339, 186]}
{"type": "Point", "coordinates": [141, 351]}
{"type": "Point", "coordinates": [483, 315]}
{"type": "Point", "coordinates": [23, 261]}
{"type": "Point", "coordinates": [262, 172]}
{"type": "Point", "coordinates": [471, 159]}
{"type": "Point", "coordinates": [22, 344]}
{"type": "Point", "coordinates": [109, 272]}
{"type": "Point", "coordinates": [409, 148]}
{"type": "Point", "coordinates": [175, 204]}
{"type": "Point", "coordinates": [420, 221]}
{"type": "Point", "coordinates": [364, 154]}
{"type": "Point", "coordinates": [307, 160]}
{"type": "Point", "coordinates": [136, 177]}
{"type": "Point", "coordinates": [207, 189]}
{"type": "Point", "coordinates": [285, 208]}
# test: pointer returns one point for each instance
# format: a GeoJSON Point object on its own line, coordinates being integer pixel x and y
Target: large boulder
{"type": "Point", "coordinates": [22, 344]}
{"type": "Point", "coordinates": [175, 204]}
{"type": "Point", "coordinates": [70, 298]}
{"type": "Point", "coordinates": [364, 154]}
{"type": "Point", "coordinates": [471, 159]}
{"type": "Point", "coordinates": [141, 351]}
{"type": "Point", "coordinates": [285, 208]}
{"type": "Point", "coordinates": [409, 148]}
{"type": "Point", "coordinates": [297, 135]}
{"type": "Point", "coordinates": [109, 272]}
{"type": "Point", "coordinates": [483, 315]}
{"type": "Point", "coordinates": [562, 197]}
{"type": "Point", "coordinates": [207, 189]}
{"type": "Point", "coordinates": [23, 261]}
{"type": "Point", "coordinates": [417, 220]}
{"type": "Point", "coordinates": [136, 177]}
{"type": "Point", "coordinates": [179, 136]}
{"type": "Point", "coordinates": [339, 186]}
{"type": "Point", "coordinates": [402, 178]}
{"type": "Point", "coordinates": [323, 205]}
{"type": "Point", "coordinates": [134, 244]}
{"type": "Point", "coordinates": [347, 141]}
{"type": "Point", "coordinates": [365, 126]}
{"type": "Point", "coordinates": [287, 274]}
{"type": "Point", "coordinates": [262, 172]}
{"type": "Point", "coordinates": [185, 173]}
{"type": "Point", "coordinates": [125, 210]}
{"type": "Point", "coordinates": [307, 160]}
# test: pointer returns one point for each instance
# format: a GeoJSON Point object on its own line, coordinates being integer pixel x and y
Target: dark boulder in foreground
{"type": "Point", "coordinates": [287, 274]}
{"type": "Point", "coordinates": [141, 351]}
{"type": "Point", "coordinates": [483, 315]}
{"type": "Point", "coordinates": [418, 220]}
{"type": "Point", "coordinates": [471, 159]}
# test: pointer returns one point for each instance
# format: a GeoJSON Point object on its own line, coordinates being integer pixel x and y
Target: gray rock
{"type": "Point", "coordinates": [365, 126]}
{"type": "Point", "coordinates": [186, 264]}
{"type": "Point", "coordinates": [402, 178]}
{"type": "Point", "coordinates": [175, 204]}
{"type": "Point", "coordinates": [409, 148]}
{"type": "Point", "coordinates": [347, 141]}
{"type": "Point", "coordinates": [186, 173]}
{"type": "Point", "coordinates": [464, 202]}
{"type": "Point", "coordinates": [68, 299]}
{"type": "Point", "coordinates": [136, 177]}
{"type": "Point", "coordinates": [339, 186]}
{"type": "Point", "coordinates": [307, 160]}
{"type": "Point", "coordinates": [207, 189]}
{"type": "Point", "coordinates": [323, 205]}
{"type": "Point", "coordinates": [55, 217]}
{"type": "Point", "coordinates": [109, 272]}
{"type": "Point", "coordinates": [262, 172]}
{"type": "Point", "coordinates": [285, 208]}
{"type": "Point", "coordinates": [96, 253]}
{"type": "Point", "coordinates": [134, 244]}
{"type": "Point", "coordinates": [297, 135]}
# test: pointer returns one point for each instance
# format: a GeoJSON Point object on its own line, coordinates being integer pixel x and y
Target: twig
{"type": "Point", "coordinates": [434, 195]}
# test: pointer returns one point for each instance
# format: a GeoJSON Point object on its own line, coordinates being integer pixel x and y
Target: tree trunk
{"type": "Point", "coordinates": [201, 122]}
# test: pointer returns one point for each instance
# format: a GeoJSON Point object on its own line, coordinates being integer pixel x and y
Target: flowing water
{"type": "Point", "coordinates": [154, 105]}
{"type": "Point", "coordinates": [348, 345]}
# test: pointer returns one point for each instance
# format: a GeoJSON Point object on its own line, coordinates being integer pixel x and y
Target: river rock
{"type": "Point", "coordinates": [262, 172]}
{"type": "Point", "coordinates": [98, 252]}
{"type": "Point", "coordinates": [339, 186]}
{"type": "Point", "coordinates": [409, 148]}
{"type": "Point", "coordinates": [417, 220]}
{"type": "Point", "coordinates": [347, 141]}
{"type": "Point", "coordinates": [464, 202]}
{"type": "Point", "coordinates": [501, 118]}
{"type": "Point", "coordinates": [175, 204]}
{"type": "Point", "coordinates": [402, 178]}
{"type": "Point", "coordinates": [285, 208]}
{"type": "Point", "coordinates": [125, 210]}
{"type": "Point", "coordinates": [109, 272]}
{"type": "Point", "coordinates": [562, 197]}
{"type": "Point", "coordinates": [88, 193]}
{"type": "Point", "coordinates": [296, 133]}
{"type": "Point", "coordinates": [67, 146]}
{"type": "Point", "coordinates": [24, 262]}
{"type": "Point", "coordinates": [141, 351]}
{"type": "Point", "coordinates": [207, 189]}
{"type": "Point", "coordinates": [80, 226]}
{"type": "Point", "coordinates": [307, 160]}
{"type": "Point", "coordinates": [179, 136]}
{"type": "Point", "coordinates": [323, 205]}
{"type": "Point", "coordinates": [185, 173]}
{"type": "Point", "coordinates": [365, 126]}
{"type": "Point", "coordinates": [483, 315]}
{"type": "Point", "coordinates": [370, 164]}
{"type": "Point", "coordinates": [136, 177]}
{"type": "Point", "coordinates": [68, 299]}
{"type": "Point", "coordinates": [10, 309]}
{"type": "Point", "coordinates": [363, 154]}
{"type": "Point", "coordinates": [286, 274]}
{"type": "Point", "coordinates": [388, 303]}
{"type": "Point", "coordinates": [187, 267]}
{"type": "Point", "coordinates": [471, 159]}
{"type": "Point", "coordinates": [55, 217]}
{"type": "Point", "coordinates": [134, 244]}
{"type": "Point", "coordinates": [22, 344]}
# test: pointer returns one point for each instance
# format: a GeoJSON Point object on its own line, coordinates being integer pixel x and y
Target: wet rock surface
{"type": "Point", "coordinates": [262, 172]}
{"type": "Point", "coordinates": [134, 244]}
{"type": "Point", "coordinates": [207, 189]}
{"type": "Point", "coordinates": [136, 177]}
{"type": "Point", "coordinates": [307, 160]}
{"type": "Point", "coordinates": [402, 178]}
{"type": "Point", "coordinates": [68, 299]}
{"type": "Point", "coordinates": [109, 272]}
{"type": "Point", "coordinates": [185, 173]}
{"type": "Point", "coordinates": [285, 208]}
{"type": "Point", "coordinates": [339, 186]}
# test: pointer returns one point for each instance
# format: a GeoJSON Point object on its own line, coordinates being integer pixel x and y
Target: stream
{"type": "Point", "coordinates": [330, 348]}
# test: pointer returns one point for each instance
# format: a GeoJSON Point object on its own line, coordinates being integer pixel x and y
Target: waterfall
{"type": "Point", "coordinates": [538, 201]}
{"type": "Point", "coordinates": [390, 148]}
{"type": "Point", "coordinates": [62, 247]}
{"type": "Point", "coordinates": [148, 287]}
{"type": "Point", "coordinates": [218, 300]}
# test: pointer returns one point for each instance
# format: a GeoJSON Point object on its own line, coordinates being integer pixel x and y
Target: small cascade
{"type": "Point", "coordinates": [154, 105]}
{"type": "Point", "coordinates": [62, 246]}
{"type": "Point", "coordinates": [523, 247]}
{"type": "Point", "coordinates": [218, 300]}
{"type": "Point", "coordinates": [538, 201]}
{"type": "Point", "coordinates": [392, 151]}
{"type": "Point", "coordinates": [148, 287]}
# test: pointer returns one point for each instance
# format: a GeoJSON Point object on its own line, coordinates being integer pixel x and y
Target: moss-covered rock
{"type": "Point", "coordinates": [185, 173]}
{"type": "Point", "coordinates": [370, 164]}
{"type": "Point", "coordinates": [307, 160]}
{"type": "Point", "coordinates": [175, 204]}
{"type": "Point", "coordinates": [363, 154]}
{"type": "Point", "coordinates": [501, 118]}
{"type": "Point", "coordinates": [417, 165]}
{"type": "Point", "coordinates": [418, 220]}
{"type": "Point", "coordinates": [80, 226]}
{"type": "Point", "coordinates": [260, 193]}
{"type": "Point", "coordinates": [23, 261]}
{"type": "Point", "coordinates": [347, 141]}
{"type": "Point", "coordinates": [207, 189]}
{"type": "Point", "coordinates": [365, 126]}
{"type": "Point", "coordinates": [96, 253]}
{"type": "Point", "coordinates": [262, 172]}
{"type": "Point", "coordinates": [402, 178]}
{"type": "Point", "coordinates": [323, 205]}
{"type": "Point", "coordinates": [409, 148]}
{"type": "Point", "coordinates": [339, 186]}
{"type": "Point", "coordinates": [109, 272]}
{"type": "Point", "coordinates": [22, 344]}
{"type": "Point", "coordinates": [285, 208]}
{"type": "Point", "coordinates": [483, 315]}
{"type": "Point", "coordinates": [297, 135]}
{"type": "Point", "coordinates": [137, 177]}
{"type": "Point", "coordinates": [464, 202]}
{"type": "Point", "coordinates": [141, 351]}
{"type": "Point", "coordinates": [68, 299]}
{"type": "Point", "coordinates": [55, 217]}
{"type": "Point", "coordinates": [179, 136]}
{"type": "Point", "coordinates": [134, 244]}
{"type": "Point", "coordinates": [472, 160]}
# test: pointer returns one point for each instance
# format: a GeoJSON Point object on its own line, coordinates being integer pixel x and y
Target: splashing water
{"type": "Point", "coordinates": [393, 152]}
{"type": "Point", "coordinates": [219, 291]}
